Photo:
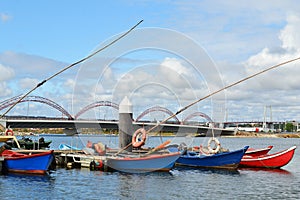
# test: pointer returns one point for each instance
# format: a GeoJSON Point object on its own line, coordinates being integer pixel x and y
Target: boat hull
{"type": "Point", "coordinates": [258, 152]}
{"type": "Point", "coordinates": [149, 163]}
{"type": "Point", "coordinates": [276, 160]}
{"type": "Point", "coordinates": [225, 160]}
{"type": "Point", "coordinates": [28, 164]}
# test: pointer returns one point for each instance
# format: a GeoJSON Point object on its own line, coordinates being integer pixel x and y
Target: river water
{"type": "Point", "coordinates": [180, 183]}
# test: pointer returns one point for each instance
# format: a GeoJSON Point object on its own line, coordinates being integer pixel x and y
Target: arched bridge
{"type": "Point", "coordinates": [12, 101]}
{"type": "Point", "coordinates": [9, 102]}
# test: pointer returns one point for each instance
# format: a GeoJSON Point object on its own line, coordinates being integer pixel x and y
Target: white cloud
{"type": "Point", "coordinates": [6, 73]}
{"type": "Point", "coordinates": [5, 91]}
{"type": "Point", "coordinates": [279, 87]}
{"type": "Point", "coordinates": [28, 83]}
{"type": "Point", "coordinates": [290, 36]}
{"type": "Point", "coordinates": [30, 64]}
{"type": "Point", "coordinates": [286, 76]}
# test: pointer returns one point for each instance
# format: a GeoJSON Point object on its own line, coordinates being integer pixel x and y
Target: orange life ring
{"type": "Point", "coordinates": [9, 132]}
{"type": "Point", "coordinates": [139, 138]}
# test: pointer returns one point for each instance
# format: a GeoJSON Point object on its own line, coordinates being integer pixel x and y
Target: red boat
{"type": "Point", "coordinates": [258, 152]}
{"type": "Point", "coordinates": [275, 160]}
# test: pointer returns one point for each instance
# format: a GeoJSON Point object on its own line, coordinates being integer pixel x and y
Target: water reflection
{"type": "Point", "coordinates": [206, 170]}
{"type": "Point", "coordinates": [267, 170]}
{"type": "Point", "coordinates": [142, 186]}
{"type": "Point", "coordinates": [30, 177]}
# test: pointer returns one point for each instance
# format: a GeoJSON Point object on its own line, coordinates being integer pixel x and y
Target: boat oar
{"type": "Point", "coordinates": [72, 65]}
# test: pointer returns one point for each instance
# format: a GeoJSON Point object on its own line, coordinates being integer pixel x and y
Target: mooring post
{"type": "Point", "coordinates": [125, 124]}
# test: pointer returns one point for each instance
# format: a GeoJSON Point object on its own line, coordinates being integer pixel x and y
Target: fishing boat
{"type": "Point", "coordinates": [156, 159]}
{"type": "Point", "coordinates": [258, 152]}
{"type": "Point", "coordinates": [27, 164]}
{"type": "Point", "coordinates": [141, 164]}
{"type": "Point", "coordinates": [36, 162]}
{"type": "Point", "coordinates": [223, 160]}
{"type": "Point", "coordinates": [275, 160]}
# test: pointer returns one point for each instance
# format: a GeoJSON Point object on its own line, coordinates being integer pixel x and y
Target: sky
{"type": "Point", "coordinates": [181, 52]}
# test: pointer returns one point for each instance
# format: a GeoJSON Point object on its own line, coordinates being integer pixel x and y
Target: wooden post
{"type": "Point", "coordinates": [125, 124]}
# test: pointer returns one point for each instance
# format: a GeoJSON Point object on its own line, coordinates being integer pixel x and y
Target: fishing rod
{"type": "Point", "coordinates": [72, 65]}
{"type": "Point", "coordinates": [211, 94]}
{"type": "Point", "coordinates": [224, 88]}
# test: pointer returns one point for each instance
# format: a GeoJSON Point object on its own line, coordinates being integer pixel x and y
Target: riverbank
{"type": "Point", "coordinates": [266, 135]}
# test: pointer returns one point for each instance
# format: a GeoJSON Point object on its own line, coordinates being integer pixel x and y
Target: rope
{"type": "Point", "coordinates": [72, 65]}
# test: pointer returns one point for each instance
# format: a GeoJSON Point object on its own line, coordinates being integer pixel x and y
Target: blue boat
{"type": "Point", "coordinates": [223, 160]}
{"type": "Point", "coordinates": [143, 164]}
{"type": "Point", "coordinates": [27, 164]}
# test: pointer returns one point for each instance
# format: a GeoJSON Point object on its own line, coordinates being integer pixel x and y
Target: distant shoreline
{"type": "Point", "coordinates": [266, 135]}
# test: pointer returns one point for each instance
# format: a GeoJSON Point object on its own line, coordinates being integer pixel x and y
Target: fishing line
{"type": "Point", "coordinates": [71, 65]}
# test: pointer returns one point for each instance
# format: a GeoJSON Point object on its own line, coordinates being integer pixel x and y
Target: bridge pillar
{"type": "Point", "coordinates": [125, 124]}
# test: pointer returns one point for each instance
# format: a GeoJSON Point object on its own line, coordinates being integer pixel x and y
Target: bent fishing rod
{"type": "Point", "coordinates": [211, 94]}
{"type": "Point", "coordinates": [224, 88]}
{"type": "Point", "coordinates": [71, 65]}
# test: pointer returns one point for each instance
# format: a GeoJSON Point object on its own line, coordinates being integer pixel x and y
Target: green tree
{"type": "Point", "coordinates": [289, 127]}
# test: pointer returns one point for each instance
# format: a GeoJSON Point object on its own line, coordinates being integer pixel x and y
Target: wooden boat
{"type": "Point", "coordinates": [36, 163]}
{"type": "Point", "coordinates": [142, 164]}
{"type": "Point", "coordinates": [275, 160]}
{"type": "Point", "coordinates": [258, 152]}
{"type": "Point", "coordinates": [223, 160]}
{"type": "Point", "coordinates": [29, 164]}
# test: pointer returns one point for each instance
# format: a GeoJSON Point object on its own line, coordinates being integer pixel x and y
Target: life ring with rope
{"type": "Point", "coordinates": [217, 145]}
{"type": "Point", "coordinates": [139, 138]}
{"type": "Point", "coordinates": [9, 132]}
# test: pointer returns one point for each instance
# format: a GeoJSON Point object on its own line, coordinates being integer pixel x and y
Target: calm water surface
{"type": "Point", "coordinates": [180, 183]}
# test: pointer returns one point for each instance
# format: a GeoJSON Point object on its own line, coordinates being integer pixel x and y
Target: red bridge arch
{"type": "Point", "coordinates": [96, 104]}
{"type": "Point", "coordinates": [12, 101]}
{"type": "Point", "coordinates": [157, 108]}
{"type": "Point", "coordinates": [197, 114]}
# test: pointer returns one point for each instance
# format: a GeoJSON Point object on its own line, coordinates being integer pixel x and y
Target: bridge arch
{"type": "Point", "coordinates": [96, 104]}
{"type": "Point", "coordinates": [9, 102]}
{"type": "Point", "coordinates": [197, 114]}
{"type": "Point", "coordinates": [154, 109]}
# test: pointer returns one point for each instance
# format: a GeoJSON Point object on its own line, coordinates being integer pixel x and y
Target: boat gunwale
{"type": "Point", "coordinates": [26, 156]}
{"type": "Point", "coordinates": [268, 156]}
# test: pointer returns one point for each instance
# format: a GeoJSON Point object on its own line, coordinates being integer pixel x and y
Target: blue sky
{"type": "Point", "coordinates": [38, 38]}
